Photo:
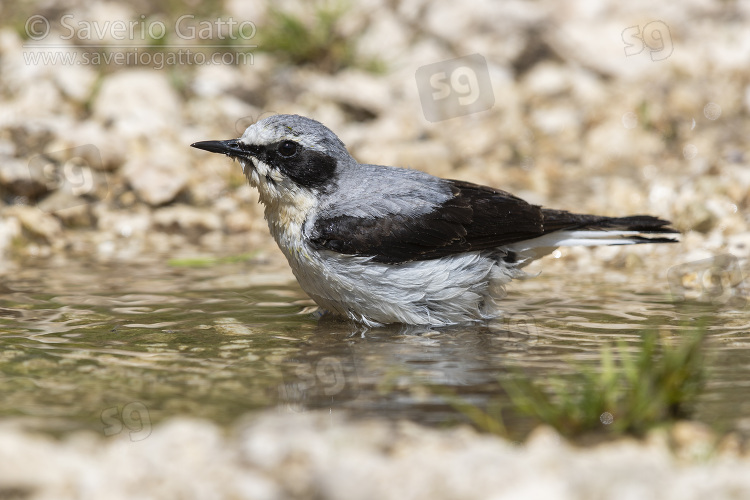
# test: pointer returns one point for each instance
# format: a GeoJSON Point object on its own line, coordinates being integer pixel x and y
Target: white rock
{"type": "Point", "coordinates": [242, 10]}
{"type": "Point", "coordinates": [110, 150]}
{"type": "Point", "coordinates": [353, 88]}
{"type": "Point", "coordinates": [10, 228]}
{"type": "Point", "coordinates": [214, 80]}
{"type": "Point", "coordinates": [739, 246]}
{"type": "Point", "coordinates": [432, 156]}
{"type": "Point", "coordinates": [612, 140]}
{"type": "Point", "coordinates": [159, 176]}
{"type": "Point", "coordinates": [103, 15]}
{"type": "Point", "coordinates": [185, 219]}
{"type": "Point", "coordinates": [123, 223]}
{"type": "Point", "coordinates": [19, 178]}
{"type": "Point", "coordinates": [554, 120]}
{"type": "Point", "coordinates": [39, 98]}
{"type": "Point", "coordinates": [385, 38]}
{"type": "Point", "coordinates": [547, 79]}
{"type": "Point", "coordinates": [37, 224]}
{"type": "Point", "coordinates": [138, 102]}
{"type": "Point", "coordinates": [76, 82]}
{"type": "Point", "coordinates": [240, 221]}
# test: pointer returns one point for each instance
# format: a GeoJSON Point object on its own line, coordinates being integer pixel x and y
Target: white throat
{"type": "Point", "coordinates": [287, 205]}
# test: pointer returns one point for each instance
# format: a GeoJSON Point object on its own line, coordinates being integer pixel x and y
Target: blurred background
{"type": "Point", "coordinates": [139, 284]}
{"type": "Point", "coordinates": [599, 107]}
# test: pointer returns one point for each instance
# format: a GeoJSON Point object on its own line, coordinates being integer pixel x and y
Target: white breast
{"type": "Point", "coordinates": [444, 291]}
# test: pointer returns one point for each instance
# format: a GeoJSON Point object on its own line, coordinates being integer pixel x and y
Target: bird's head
{"type": "Point", "coordinates": [287, 157]}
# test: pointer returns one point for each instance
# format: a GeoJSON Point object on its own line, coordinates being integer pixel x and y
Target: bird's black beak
{"type": "Point", "coordinates": [232, 147]}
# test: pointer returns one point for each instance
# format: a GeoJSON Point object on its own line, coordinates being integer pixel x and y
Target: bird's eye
{"type": "Point", "coordinates": [287, 148]}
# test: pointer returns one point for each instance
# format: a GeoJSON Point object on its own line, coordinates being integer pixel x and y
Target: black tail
{"type": "Point", "coordinates": [560, 220]}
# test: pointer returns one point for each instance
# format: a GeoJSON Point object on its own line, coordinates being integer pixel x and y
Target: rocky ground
{"type": "Point", "coordinates": [583, 115]}
{"type": "Point", "coordinates": [317, 455]}
{"type": "Point", "coordinates": [94, 160]}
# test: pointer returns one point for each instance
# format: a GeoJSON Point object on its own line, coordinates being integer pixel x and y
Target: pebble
{"type": "Point", "coordinates": [137, 103]}
{"type": "Point", "coordinates": [20, 179]}
{"type": "Point", "coordinates": [278, 455]}
{"type": "Point", "coordinates": [39, 226]}
{"type": "Point", "coordinates": [158, 176]}
{"type": "Point", "coordinates": [184, 219]}
{"type": "Point", "coordinates": [10, 229]}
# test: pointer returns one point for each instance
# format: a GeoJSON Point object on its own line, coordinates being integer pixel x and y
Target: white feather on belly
{"type": "Point", "coordinates": [437, 292]}
{"type": "Point", "coordinates": [449, 290]}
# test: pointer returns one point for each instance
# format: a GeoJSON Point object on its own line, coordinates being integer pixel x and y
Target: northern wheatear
{"type": "Point", "coordinates": [384, 244]}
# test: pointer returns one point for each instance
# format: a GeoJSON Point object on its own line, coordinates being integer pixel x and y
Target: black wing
{"type": "Point", "coordinates": [475, 218]}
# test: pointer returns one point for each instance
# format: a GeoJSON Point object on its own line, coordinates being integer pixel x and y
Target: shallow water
{"type": "Point", "coordinates": [118, 348]}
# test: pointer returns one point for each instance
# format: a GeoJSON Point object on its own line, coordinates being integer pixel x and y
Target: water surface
{"type": "Point", "coordinates": [117, 348]}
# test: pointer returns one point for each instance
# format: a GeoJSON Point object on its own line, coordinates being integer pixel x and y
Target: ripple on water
{"type": "Point", "coordinates": [80, 344]}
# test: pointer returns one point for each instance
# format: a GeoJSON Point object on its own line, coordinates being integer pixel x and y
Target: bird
{"type": "Point", "coordinates": [382, 245]}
